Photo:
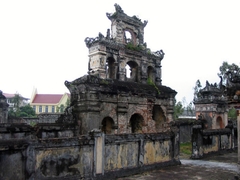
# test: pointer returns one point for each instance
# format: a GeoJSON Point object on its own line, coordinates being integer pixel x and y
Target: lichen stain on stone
{"type": "Point", "coordinates": [156, 152]}
{"type": "Point", "coordinates": [84, 165]}
{"type": "Point", "coordinates": [53, 152]}
{"type": "Point", "coordinates": [121, 156]}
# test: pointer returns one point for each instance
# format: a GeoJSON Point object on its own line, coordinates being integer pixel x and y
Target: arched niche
{"type": "Point", "coordinates": [158, 117]}
{"type": "Point", "coordinates": [150, 73]}
{"type": "Point", "coordinates": [219, 123]}
{"type": "Point", "coordinates": [136, 123]}
{"type": "Point", "coordinates": [107, 125]}
{"type": "Point", "coordinates": [131, 69]}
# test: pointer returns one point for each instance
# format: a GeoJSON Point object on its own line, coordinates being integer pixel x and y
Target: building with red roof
{"type": "Point", "coordinates": [10, 99]}
{"type": "Point", "coordinates": [49, 103]}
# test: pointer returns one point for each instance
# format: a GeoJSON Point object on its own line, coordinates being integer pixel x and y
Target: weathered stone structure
{"type": "Point", "coordinates": [212, 106]}
{"type": "Point", "coordinates": [115, 126]}
{"type": "Point", "coordinates": [3, 108]}
{"type": "Point", "coordinates": [213, 131]}
{"type": "Point", "coordinates": [110, 100]}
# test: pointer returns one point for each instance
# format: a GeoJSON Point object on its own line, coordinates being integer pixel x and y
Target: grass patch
{"type": "Point", "coordinates": [186, 148]}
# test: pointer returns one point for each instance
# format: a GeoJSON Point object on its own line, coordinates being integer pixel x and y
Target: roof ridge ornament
{"type": "Point", "coordinates": [118, 8]}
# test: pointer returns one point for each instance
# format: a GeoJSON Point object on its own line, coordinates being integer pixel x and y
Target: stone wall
{"type": "Point", "coordinates": [207, 141]}
{"type": "Point", "coordinates": [55, 152]}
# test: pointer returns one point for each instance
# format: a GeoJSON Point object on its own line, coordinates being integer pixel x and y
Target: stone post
{"type": "Point", "coordinates": [176, 141]}
{"type": "Point", "coordinates": [197, 142]}
{"type": "Point", "coordinates": [3, 108]}
{"type": "Point", "coordinates": [238, 130]}
{"type": "Point", "coordinates": [99, 149]}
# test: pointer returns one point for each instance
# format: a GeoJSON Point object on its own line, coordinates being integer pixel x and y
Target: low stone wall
{"type": "Point", "coordinates": [55, 152]}
{"type": "Point", "coordinates": [207, 141]}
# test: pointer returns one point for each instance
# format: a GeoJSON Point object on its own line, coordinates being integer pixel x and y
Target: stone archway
{"type": "Point", "coordinates": [158, 117]}
{"type": "Point", "coordinates": [107, 125]}
{"type": "Point", "coordinates": [136, 123]}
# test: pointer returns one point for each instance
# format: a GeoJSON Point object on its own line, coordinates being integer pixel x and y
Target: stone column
{"type": "Point", "coordinates": [238, 130]}
{"type": "Point", "coordinates": [99, 145]}
{"type": "Point", "coordinates": [197, 142]}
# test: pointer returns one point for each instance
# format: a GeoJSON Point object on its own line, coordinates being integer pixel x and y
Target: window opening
{"type": "Point", "coordinates": [128, 37]}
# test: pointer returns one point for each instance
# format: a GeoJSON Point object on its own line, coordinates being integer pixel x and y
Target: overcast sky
{"type": "Point", "coordinates": [42, 42]}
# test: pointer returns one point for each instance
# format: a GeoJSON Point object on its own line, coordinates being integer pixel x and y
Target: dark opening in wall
{"type": "Point", "coordinates": [207, 140]}
{"type": "Point", "coordinates": [219, 123]}
{"type": "Point", "coordinates": [136, 123]}
{"type": "Point", "coordinates": [150, 73]}
{"type": "Point", "coordinates": [107, 125]}
{"type": "Point", "coordinates": [158, 117]}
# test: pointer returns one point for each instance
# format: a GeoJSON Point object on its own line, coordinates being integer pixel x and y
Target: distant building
{"type": "Point", "coordinates": [48, 103]}
{"type": "Point", "coordinates": [188, 114]}
{"type": "Point", "coordinates": [10, 100]}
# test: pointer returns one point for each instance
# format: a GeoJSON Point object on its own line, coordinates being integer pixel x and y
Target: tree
{"type": "Point", "coordinates": [225, 67]}
{"type": "Point", "coordinates": [27, 111]}
{"type": "Point", "coordinates": [177, 109]}
{"type": "Point", "coordinates": [23, 111]}
{"type": "Point", "coordinates": [197, 88]}
{"type": "Point", "coordinates": [232, 113]}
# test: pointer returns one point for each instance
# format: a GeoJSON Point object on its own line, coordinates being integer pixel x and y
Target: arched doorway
{"type": "Point", "coordinates": [136, 122]}
{"type": "Point", "coordinates": [219, 123]}
{"type": "Point", "coordinates": [158, 117]}
{"type": "Point", "coordinates": [107, 125]}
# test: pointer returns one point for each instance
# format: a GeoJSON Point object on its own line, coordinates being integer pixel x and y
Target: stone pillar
{"type": "Point", "coordinates": [99, 149]}
{"type": "Point", "coordinates": [176, 142]}
{"type": "Point", "coordinates": [3, 108]}
{"type": "Point", "coordinates": [238, 130]}
{"type": "Point", "coordinates": [197, 142]}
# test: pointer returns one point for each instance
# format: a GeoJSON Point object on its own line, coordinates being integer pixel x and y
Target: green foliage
{"type": "Point", "coordinates": [150, 82]}
{"type": "Point", "coordinates": [186, 148]}
{"type": "Point", "coordinates": [232, 114]}
{"type": "Point", "coordinates": [32, 123]}
{"type": "Point", "coordinates": [197, 88]}
{"type": "Point", "coordinates": [60, 108]}
{"type": "Point", "coordinates": [133, 47]}
{"type": "Point", "coordinates": [177, 110]}
{"type": "Point", "coordinates": [225, 67]}
{"type": "Point", "coordinates": [27, 111]}
{"type": "Point", "coordinates": [67, 103]}
{"type": "Point", "coordinates": [23, 111]}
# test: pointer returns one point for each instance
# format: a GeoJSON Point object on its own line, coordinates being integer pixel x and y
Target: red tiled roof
{"type": "Point", "coordinates": [47, 98]}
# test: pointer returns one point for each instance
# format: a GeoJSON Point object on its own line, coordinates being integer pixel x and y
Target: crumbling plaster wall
{"type": "Point", "coordinates": [79, 157]}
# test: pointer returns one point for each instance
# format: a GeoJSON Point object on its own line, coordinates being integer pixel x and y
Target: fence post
{"type": "Point", "coordinates": [197, 142]}
{"type": "Point", "coordinates": [99, 149]}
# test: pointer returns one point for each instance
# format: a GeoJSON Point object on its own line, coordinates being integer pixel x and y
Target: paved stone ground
{"type": "Point", "coordinates": [217, 167]}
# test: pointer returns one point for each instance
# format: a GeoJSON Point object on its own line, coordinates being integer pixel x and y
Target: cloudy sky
{"type": "Point", "coordinates": [42, 42]}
